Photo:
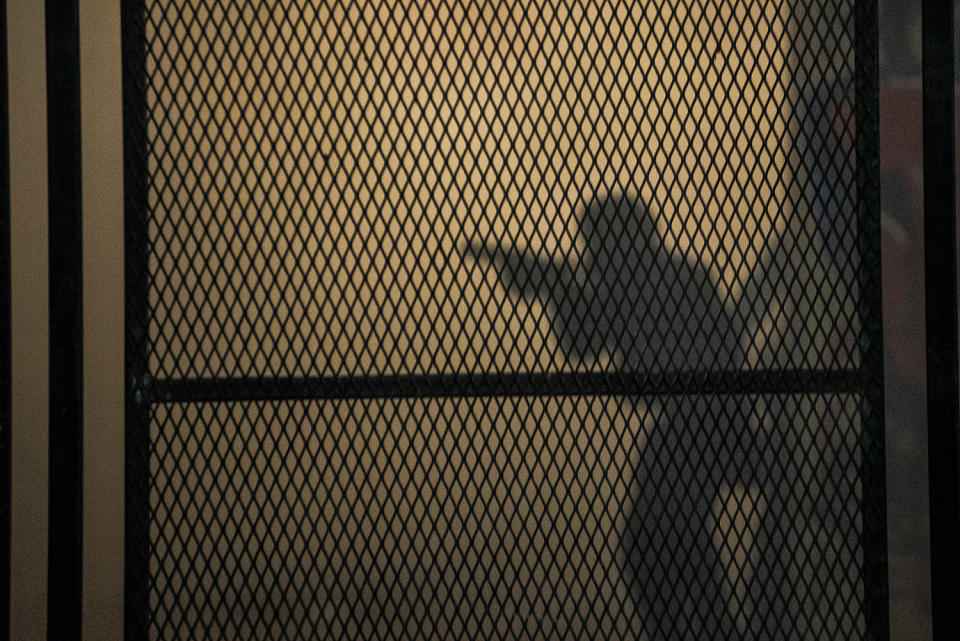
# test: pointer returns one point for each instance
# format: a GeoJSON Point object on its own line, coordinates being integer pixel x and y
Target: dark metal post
{"type": "Point", "coordinates": [943, 382]}
{"type": "Point", "coordinates": [136, 344]}
{"type": "Point", "coordinates": [66, 335]}
{"type": "Point", "coordinates": [873, 471]}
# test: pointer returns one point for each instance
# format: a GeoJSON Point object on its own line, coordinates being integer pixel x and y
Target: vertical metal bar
{"type": "Point", "coordinates": [872, 446]}
{"type": "Point", "coordinates": [5, 336]}
{"type": "Point", "coordinates": [940, 260]}
{"type": "Point", "coordinates": [137, 546]}
{"type": "Point", "coordinates": [66, 329]}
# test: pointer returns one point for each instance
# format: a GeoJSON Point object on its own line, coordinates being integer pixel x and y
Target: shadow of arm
{"type": "Point", "coordinates": [524, 272]}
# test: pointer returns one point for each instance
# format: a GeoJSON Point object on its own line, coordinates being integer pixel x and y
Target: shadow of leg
{"type": "Point", "coordinates": [672, 566]}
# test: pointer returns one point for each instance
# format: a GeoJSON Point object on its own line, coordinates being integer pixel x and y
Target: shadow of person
{"type": "Point", "coordinates": [653, 312]}
{"type": "Point", "coordinates": [627, 295]}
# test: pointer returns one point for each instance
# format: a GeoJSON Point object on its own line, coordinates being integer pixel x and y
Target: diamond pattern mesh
{"type": "Point", "coordinates": [476, 517]}
{"type": "Point", "coordinates": [450, 319]}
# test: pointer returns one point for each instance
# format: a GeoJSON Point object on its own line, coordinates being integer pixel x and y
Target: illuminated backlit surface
{"type": "Point", "coordinates": [318, 169]}
{"type": "Point", "coordinates": [328, 186]}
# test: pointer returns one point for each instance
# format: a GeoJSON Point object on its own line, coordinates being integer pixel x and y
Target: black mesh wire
{"type": "Point", "coordinates": [501, 320]}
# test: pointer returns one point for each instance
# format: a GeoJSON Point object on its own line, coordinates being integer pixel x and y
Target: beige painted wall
{"type": "Point", "coordinates": [103, 319]}
{"type": "Point", "coordinates": [28, 232]}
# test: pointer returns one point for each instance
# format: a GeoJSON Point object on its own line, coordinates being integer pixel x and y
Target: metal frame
{"type": "Point", "coordinates": [940, 258]}
{"type": "Point", "coordinates": [494, 384]}
{"type": "Point", "coordinates": [143, 391]}
{"type": "Point", "coordinates": [136, 342]}
{"type": "Point", "coordinates": [873, 471]}
{"type": "Point", "coordinates": [64, 578]}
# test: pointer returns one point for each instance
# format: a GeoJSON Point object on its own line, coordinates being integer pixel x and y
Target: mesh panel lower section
{"type": "Point", "coordinates": [579, 517]}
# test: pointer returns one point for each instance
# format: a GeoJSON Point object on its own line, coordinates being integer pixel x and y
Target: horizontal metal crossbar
{"type": "Point", "coordinates": [516, 384]}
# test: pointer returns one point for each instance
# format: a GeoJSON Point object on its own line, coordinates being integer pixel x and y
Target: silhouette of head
{"type": "Point", "coordinates": [614, 227]}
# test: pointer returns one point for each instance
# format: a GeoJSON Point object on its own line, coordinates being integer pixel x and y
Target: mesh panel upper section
{"type": "Point", "coordinates": [322, 174]}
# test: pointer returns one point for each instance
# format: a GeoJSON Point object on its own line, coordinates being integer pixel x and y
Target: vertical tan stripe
{"type": "Point", "coordinates": [28, 235]}
{"type": "Point", "coordinates": [100, 69]}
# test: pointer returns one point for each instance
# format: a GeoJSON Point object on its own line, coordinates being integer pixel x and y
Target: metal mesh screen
{"type": "Point", "coordinates": [473, 320]}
